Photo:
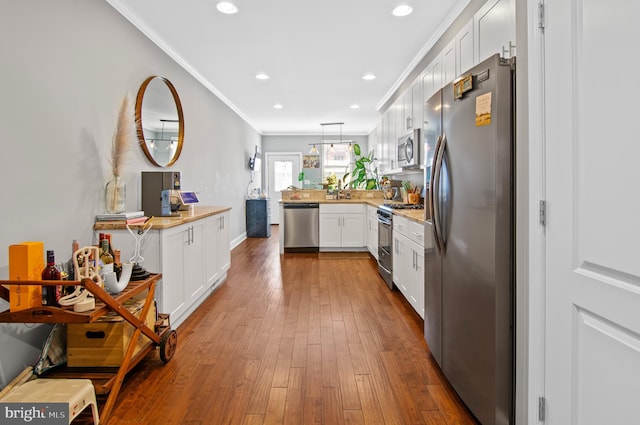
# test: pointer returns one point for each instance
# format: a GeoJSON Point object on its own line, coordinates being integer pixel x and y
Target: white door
{"type": "Point", "coordinates": [592, 348]}
{"type": "Point", "coordinates": [282, 172]}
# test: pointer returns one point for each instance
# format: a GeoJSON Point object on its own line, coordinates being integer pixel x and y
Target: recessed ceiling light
{"type": "Point", "coordinates": [262, 76]}
{"type": "Point", "coordinates": [227, 7]}
{"type": "Point", "coordinates": [368, 77]}
{"type": "Point", "coordinates": [402, 10]}
{"type": "Point", "coordinates": [278, 106]}
{"type": "Point", "coordinates": [354, 106]}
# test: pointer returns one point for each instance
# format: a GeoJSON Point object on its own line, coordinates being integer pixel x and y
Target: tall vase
{"type": "Point", "coordinates": [115, 195]}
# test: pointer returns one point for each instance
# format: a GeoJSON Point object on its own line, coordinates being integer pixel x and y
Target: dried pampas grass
{"type": "Point", "coordinates": [122, 136]}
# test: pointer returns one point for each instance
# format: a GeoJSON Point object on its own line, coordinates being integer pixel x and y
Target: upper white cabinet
{"type": "Point", "coordinates": [465, 58]}
{"type": "Point", "coordinates": [448, 63]}
{"type": "Point", "coordinates": [416, 104]}
{"type": "Point", "coordinates": [495, 29]}
{"type": "Point", "coordinates": [432, 79]}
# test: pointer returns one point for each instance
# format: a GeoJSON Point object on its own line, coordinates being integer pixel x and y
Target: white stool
{"type": "Point", "coordinates": [77, 392]}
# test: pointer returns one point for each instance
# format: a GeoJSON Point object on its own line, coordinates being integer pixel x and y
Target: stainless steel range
{"type": "Point", "coordinates": [385, 237]}
{"type": "Point", "coordinates": [385, 250]}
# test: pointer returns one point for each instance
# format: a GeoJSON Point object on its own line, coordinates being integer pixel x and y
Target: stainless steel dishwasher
{"type": "Point", "coordinates": [301, 227]}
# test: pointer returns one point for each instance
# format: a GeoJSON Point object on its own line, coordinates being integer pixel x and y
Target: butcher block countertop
{"type": "Point", "coordinates": [197, 213]}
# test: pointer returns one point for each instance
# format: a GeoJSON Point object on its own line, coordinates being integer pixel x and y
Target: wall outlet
{"type": "Point", "coordinates": [369, 195]}
{"type": "Point", "coordinates": [305, 195]}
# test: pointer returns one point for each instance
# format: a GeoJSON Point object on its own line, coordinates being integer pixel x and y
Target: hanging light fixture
{"type": "Point", "coordinates": [314, 150]}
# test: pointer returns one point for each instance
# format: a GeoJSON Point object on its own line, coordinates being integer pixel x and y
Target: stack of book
{"type": "Point", "coordinates": [131, 217]}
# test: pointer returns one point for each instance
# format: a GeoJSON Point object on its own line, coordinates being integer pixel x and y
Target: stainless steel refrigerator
{"type": "Point", "coordinates": [469, 269]}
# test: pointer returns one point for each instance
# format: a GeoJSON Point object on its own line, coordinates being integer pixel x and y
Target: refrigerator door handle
{"type": "Point", "coordinates": [434, 193]}
{"type": "Point", "coordinates": [433, 184]}
{"type": "Point", "coordinates": [442, 199]}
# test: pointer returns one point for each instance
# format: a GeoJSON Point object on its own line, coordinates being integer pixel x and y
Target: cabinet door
{"type": "Point", "coordinates": [495, 30]}
{"type": "Point", "coordinates": [352, 228]}
{"type": "Point", "coordinates": [401, 263]}
{"type": "Point", "coordinates": [416, 105]}
{"type": "Point", "coordinates": [194, 261]}
{"type": "Point", "coordinates": [464, 49]}
{"type": "Point", "coordinates": [415, 278]}
{"type": "Point", "coordinates": [222, 240]}
{"type": "Point", "coordinates": [211, 249]}
{"type": "Point", "coordinates": [173, 294]}
{"type": "Point", "coordinates": [330, 235]}
{"type": "Point", "coordinates": [372, 231]}
{"type": "Point", "coordinates": [449, 62]}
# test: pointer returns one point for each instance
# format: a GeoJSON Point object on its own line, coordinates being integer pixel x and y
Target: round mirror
{"type": "Point", "coordinates": [159, 121]}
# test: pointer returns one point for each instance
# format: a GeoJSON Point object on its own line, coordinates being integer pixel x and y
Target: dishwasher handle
{"type": "Point", "coordinates": [301, 205]}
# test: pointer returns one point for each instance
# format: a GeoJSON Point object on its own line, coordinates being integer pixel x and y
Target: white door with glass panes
{"type": "Point", "coordinates": [591, 257]}
{"type": "Point", "coordinates": [282, 171]}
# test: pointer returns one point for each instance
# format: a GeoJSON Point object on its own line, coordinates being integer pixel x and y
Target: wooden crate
{"type": "Point", "coordinates": [103, 343]}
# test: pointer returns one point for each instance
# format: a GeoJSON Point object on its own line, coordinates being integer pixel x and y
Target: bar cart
{"type": "Point", "coordinates": [106, 380]}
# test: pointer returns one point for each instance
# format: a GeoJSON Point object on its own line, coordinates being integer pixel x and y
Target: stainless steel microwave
{"type": "Point", "coordinates": [409, 150]}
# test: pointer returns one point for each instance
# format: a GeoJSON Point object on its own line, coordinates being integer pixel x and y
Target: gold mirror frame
{"type": "Point", "coordinates": [139, 124]}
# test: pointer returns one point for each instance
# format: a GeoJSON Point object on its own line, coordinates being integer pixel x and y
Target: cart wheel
{"type": "Point", "coordinates": [168, 345]}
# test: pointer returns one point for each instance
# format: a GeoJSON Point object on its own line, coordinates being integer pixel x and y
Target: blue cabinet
{"type": "Point", "coordinates": [258, 218]}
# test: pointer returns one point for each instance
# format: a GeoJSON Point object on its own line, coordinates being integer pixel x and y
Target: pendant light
{"type": "Point", "coordinates": [314, 150]}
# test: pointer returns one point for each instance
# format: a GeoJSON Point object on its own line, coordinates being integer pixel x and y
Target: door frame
{"type": "Point", "coordinates": [530, 233]}
{"type": "Point", "coordinates": [274, 204]}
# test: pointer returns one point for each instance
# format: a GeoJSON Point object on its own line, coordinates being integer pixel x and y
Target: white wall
{"type": "Point", "coordinates": [66, 66]}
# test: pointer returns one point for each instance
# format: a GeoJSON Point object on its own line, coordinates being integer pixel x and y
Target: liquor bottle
{"type": "Point", "coordinates": [50, 272]}
{"type": "Point", "coordinates": [117, 265]}
{"type": "Point", "coordinates": [107, 236]}
{"type": "Point", "coordinates": [106, 259]}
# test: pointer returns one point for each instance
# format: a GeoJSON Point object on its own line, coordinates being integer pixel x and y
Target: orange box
{"type": "Point", "coordinates": [26, 262]}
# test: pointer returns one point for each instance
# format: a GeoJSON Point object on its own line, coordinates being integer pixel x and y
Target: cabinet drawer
{"type": "Point", "coordinates": [401, 225]}
{"type": "Point", "coordinates": [342, 208]}
{"type": "Point", "coordinates": [416, 232]}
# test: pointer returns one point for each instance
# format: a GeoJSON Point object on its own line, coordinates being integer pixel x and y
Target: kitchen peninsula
{"type": "Point", "coordinates": [191, 251]}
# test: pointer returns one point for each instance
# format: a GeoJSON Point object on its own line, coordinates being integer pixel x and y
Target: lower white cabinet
{"type": "Point", "coordinates": [218, 255]}
{"type": "Point", "coordinates": [342, 227]}
{"type": "Point", "coordinates": [372, 230]}
{"type": "Point", "coordinates": [408, 261]}
{"type": "Point", "coordinates": [193, 258]}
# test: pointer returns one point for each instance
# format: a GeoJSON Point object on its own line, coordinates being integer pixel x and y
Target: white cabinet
{"type": "Point", "coordinates": [372, 230]}
{"type": "Point", "coordinates": [465, 49]}
{"type": "Point", "coordinates": [342, 227]}
{"type": "Point", "coordinates": [448, 63]}
{"type": "Point", "coordinates": [193, 258]}
{"type": "Point", "coordinates": [494, 26]}
{"type": "Point", "coordinates": [408, 261]}
{"type": "Point", "coordinates": [217, 253]}
{"type": "Point", "coordinates": [416, 104]}
{"type": "Point", "coordinates": [432, 78]}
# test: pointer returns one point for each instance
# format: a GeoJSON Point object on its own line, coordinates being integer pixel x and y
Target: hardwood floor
{"type": "Point", "coordinates": [294, 339]}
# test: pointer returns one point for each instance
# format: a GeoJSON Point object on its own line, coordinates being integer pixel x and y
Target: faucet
{"type": "Point", "coordinates": [338, 189]}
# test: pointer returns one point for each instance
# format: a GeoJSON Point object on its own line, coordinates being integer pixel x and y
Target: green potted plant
{"type": "Point", "coordinates": [363, 171]}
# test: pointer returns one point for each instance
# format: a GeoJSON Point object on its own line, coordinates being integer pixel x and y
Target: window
{"type": "Point", "coordinates": [336, 159]}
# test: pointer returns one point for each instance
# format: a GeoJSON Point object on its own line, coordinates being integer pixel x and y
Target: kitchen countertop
{"type": "Point", "coordinates": [197, 213]}
{"type": "Point", "coordinates": [415, 215]}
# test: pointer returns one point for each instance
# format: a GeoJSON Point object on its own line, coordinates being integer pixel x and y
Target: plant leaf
{"type": "Point", "coordinates": [371, 184]}
{"type": "Point", "coordinates": [356, 149]}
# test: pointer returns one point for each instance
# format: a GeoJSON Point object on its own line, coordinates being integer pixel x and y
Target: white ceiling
{"type": "Point", "coordinates": [314, 51]}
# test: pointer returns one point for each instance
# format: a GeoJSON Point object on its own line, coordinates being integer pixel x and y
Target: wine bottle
{"type": "Point", "coordinates": [50, 272]}
{"type": "Point", "coordinates": [107, 236]}
{"type": "Point", "coordinates": [106, 259]}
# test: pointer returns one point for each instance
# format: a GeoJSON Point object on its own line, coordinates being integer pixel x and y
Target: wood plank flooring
{"type": "Point", "coordinates": [294, 339]}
